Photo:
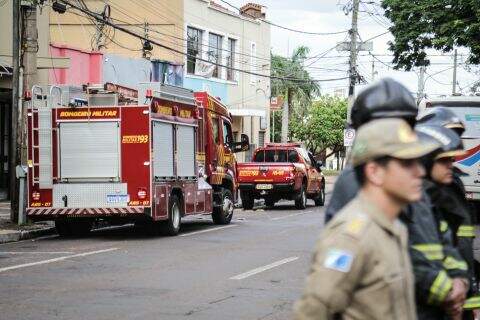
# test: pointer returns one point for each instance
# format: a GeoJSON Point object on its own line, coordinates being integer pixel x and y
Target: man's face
{"type": "Point", "coordinates": [402, 179]}
{"type": "Point", "coordinates": [442, 171]}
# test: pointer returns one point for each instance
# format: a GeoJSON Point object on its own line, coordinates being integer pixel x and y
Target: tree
{"type": "Point", "coordinates": [322, 128]}
{"type": "Point", "coordinates": [296, 84]}
{"type": "Point", "coordinates": [439, 24]}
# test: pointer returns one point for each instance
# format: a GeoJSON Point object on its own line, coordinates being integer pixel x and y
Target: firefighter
{"type": "Point", "coordinates": [361, 267]}
{"type": "Point", "coordinates": [458, 213]}
{"type": "Point", "coordinates": [385, 99]}
{"type": "Point", "coordinates": [438, 290]}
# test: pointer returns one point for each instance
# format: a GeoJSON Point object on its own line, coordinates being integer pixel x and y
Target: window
{"type": "Point", "coordinates": [260, 156]}
{"type": "Point", "coordinates": [292, 156]}
{"type": "Point", "coordinates": [194, 48]}
{"type": "Point", "coordinates": [276, 156]}
{"type": "Point", "coordinates": [253, 61]}
{"type": "Point", "coordinates": [305, 156]}
{"type": "Point", "coordinates": [227, 134]}
{"type": "Point", "coordinates": [215, 52]}
{"type": "Point", "coordinates": [231, 59]}
{"type": "Point", "coordinates": [215, 130]}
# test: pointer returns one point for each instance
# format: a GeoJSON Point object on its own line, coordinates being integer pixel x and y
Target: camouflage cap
{"type": "Point", "coordinates": [389, 137]}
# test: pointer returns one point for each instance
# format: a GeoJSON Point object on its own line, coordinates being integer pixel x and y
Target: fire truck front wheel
{"type": "Point", "coordinates": [223, 214]}
{"type": "Point", "coordinates": [171, 227]}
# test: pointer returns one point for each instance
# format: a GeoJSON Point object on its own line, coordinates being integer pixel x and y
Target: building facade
{"type": "Point", "coordinates": [45, 62]}
{"type": "Point", "coordinates": [160, 21]}
{"type": "Point", "coordinates": [226, 54]}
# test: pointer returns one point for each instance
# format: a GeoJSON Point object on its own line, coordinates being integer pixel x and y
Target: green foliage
{"type": "Point", "coordinates": [439, 24]}
{"type": "Point", "coordinates": [298, 93]}
{"type": "Point", "coordinates": [322, 126]}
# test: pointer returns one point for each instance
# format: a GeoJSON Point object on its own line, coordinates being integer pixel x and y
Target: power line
{"type": "Point", "coordinates": [111, 24]}
{"type": "Point", "coordinates": [286, 28]}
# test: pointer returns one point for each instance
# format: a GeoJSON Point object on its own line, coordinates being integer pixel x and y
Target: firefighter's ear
{"type": "Point", "coordinates": [374, 173]}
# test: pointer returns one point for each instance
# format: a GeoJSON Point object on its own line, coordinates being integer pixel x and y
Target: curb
{"type": "Point", "coordinates": [25, 234]}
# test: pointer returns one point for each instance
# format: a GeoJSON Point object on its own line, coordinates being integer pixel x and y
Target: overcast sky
{"type": "Point", "coordinates": [329, 16]}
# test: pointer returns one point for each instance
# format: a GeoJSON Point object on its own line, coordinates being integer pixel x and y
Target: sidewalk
{"type": "Point", "coordinates": [10, 232]}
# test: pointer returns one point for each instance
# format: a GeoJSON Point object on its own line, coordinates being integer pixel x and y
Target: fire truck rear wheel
{"type": "Point", "coordinates": [171, 227]}
{"type": "Point", "coordinates": [224, 213]}
{"type": "Point", "coordinates": [247, 200]}
{"type": "Point", "coordinates": [74, 228]}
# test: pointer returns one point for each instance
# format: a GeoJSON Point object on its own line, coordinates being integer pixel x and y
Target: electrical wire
{"type": "Point", "coordinates": [286, 28]}
{"type": "Point", "coordinates": [131, 33]}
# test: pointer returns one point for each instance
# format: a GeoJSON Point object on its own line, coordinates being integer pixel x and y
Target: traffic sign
{"type": "Point", "coordinates": [348, 137]}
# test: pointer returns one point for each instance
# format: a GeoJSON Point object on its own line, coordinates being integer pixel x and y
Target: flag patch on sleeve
{"type": "Point", "coordinates": [338, 260]}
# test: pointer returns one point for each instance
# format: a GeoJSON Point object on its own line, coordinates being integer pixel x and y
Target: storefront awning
{"type": "Point", "coordinates": [247, 112]}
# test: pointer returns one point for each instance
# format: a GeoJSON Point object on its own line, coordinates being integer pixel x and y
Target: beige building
{"type": "Point", "coordinates": [44, 63]}
{"type": "Point", "coordinates": [160, 21]}
{"type": "Point", "coordinates": [241, 41]}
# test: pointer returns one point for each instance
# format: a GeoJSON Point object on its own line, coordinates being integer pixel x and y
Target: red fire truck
{"type": "Point", "coordinates": [119, 155]}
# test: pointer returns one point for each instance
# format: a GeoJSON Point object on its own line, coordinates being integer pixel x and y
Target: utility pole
{"type": "Point", "coordinates": [455, 65]}
{"type": "Point", "coordinates": [30, 48]}
{"type": "Point", "coordinates": [421, 84]}
{"type": "Point", "coordinates": [12, 152]}
{"type": "Point", "coordinates": [353, 58]}
{"type": "Point", "coordinates": [285, 118]}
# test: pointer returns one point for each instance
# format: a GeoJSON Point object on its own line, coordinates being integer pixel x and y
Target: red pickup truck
{"type": "Point", "coordinates": [281, 171]}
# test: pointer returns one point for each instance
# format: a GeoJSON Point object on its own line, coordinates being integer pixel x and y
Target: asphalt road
{"type": "Point", "coordinates": [251, 269]}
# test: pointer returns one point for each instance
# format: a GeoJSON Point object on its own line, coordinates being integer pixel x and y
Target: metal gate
{"type": "Point", "coordinates": [90, 150]}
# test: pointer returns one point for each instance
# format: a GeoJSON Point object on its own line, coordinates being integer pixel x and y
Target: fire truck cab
{"type": "Point", "coordinates": [119, 155]}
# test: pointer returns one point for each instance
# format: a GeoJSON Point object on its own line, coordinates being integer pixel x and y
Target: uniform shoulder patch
{"type": "Point", "coordinates": [338, 260]}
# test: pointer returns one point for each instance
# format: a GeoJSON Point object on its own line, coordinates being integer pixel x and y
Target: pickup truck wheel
{"type": "Point", "coordinates": [269, 202]}
{"type": "Point", "coordinates": [320, 198]}
{"type": "Point", "coordinates": [224, 213]}
{"type": "Point", "coordinates": [247, 200]}
{"type": "Point", "coordinates": [301, 201]}
{"type": "Point", "coordinates": [171, 227]}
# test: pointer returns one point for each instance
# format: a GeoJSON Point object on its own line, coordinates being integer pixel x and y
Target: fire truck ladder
{"type": "Point", "coordinates": [42, 128]}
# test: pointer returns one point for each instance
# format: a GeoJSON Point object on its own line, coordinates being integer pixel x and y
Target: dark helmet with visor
{"type": "Point", "coordinates": [386, 98]}
{"type": "Point", "coordinates": [450, 141]}
{"type": "Point", "coordinates": [444, 117]}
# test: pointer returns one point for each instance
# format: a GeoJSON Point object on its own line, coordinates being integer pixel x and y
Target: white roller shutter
{"type": "Point", "coordinates": [185, 151]}
{"type": "Point", "coordinates": [89, 150]}
{"type": "Point", "coordinates": [162, 149]}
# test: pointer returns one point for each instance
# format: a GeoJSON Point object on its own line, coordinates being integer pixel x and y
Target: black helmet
{"type": "Point", "coordinates": [443, 117]}
{"type": "Point", "coordinates": [386, 98]}
{"type": "Point", "coordinates": [450, 141]}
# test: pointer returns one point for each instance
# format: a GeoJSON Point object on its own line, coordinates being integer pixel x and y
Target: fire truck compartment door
{"type": "Point", "coordinates": [90, 150]}
{"type": "Point", "coordinates": [163, 149]}
{"type": "Point", "coordinates": [185, 151]}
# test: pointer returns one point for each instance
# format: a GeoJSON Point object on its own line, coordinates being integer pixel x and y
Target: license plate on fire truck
{"type": "Point", "coordinates": [264, 186]}
{"type": "Point", "coordinates": [117, 198]}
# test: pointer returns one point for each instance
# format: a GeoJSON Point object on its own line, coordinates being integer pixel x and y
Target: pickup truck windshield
{"type": "Point", "coordinates": [276, 156]}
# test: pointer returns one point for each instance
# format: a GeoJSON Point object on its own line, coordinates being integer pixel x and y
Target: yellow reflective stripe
{"type": "Point", "coordinates": [451, 263]}
{"type": "Point", "coordinates": [431, 251]}
{"type": "Point", "coordinates": [443, 226]}
{"type": "Point", "coordinates": [472, 303]}
{"type": "Point", "coordinates": [440, 288]}
{"type": "Point", "coordinates": [466, 231]}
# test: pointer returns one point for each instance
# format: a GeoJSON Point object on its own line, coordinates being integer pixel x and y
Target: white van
{"type": "Point", "coordinates": [467, 108]}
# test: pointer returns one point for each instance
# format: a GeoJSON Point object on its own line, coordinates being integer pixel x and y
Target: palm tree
{"type": "Point", "coordinates": [295, 83]}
